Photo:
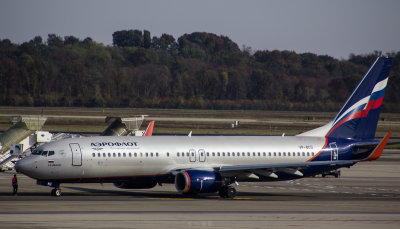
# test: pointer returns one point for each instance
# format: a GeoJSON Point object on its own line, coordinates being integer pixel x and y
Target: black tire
{"type": "Point", "coordinates": [56, 192]}
{"type": "Point", "coordinates": [223, 192]}
{"type": "Point", "coordinates": [230, 192]}
{"type": "Point", "coordinates": [227, 192]}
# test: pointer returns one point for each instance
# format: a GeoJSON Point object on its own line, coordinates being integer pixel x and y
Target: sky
{"type": "Point", "coordinates": [325, 27]}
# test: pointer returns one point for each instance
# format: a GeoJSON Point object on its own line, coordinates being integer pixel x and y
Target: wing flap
{"type": "Point", "coordinates": [295, 165]}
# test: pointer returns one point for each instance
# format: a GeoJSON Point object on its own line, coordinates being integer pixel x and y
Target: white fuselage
{"type": "Point", "coordinates": [108, 157]}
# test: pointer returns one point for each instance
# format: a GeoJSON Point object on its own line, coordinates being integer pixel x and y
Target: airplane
{"type": "Point", "coordinates": [211, 164]}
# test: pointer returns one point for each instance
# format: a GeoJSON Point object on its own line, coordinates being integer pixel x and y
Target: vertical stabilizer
{"type": "Point", "coordinates": [358, 117]}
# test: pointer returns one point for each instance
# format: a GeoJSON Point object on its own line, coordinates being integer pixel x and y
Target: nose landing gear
{"type": "Point", "coordinates": [56, 192]}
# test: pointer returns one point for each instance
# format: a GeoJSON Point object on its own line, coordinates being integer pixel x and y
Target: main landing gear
{"type": "Point", "coordinates": [227, 192]}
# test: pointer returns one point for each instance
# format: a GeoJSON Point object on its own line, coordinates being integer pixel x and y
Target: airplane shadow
{"type": "Point", "coordinates": [148, 193]}
{"type": "Point", "coordinates": [175, 195]}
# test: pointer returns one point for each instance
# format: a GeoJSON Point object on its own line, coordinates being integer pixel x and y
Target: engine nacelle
{"type": "Point", "coordinates": [135, 184]}
{"type": "Point", "coordinates": [198, 181]}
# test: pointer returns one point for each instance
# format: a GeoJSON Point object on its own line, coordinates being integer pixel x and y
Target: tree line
{"type": "Point", "coordinates": [197, 70]}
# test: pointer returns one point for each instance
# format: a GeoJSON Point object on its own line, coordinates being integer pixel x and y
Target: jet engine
{"type": "Point", "coordinates": [198, 181]}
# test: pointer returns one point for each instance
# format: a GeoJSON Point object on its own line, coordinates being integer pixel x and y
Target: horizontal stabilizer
{"type": "Point", "coordinates": [379, 148]}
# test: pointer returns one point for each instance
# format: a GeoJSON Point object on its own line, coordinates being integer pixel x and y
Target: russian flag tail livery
{"type": "Point", "coordinates": [359, 116]}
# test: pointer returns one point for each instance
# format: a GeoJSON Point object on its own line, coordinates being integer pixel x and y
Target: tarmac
{"type": "Point", "coordinates": [365, 196]}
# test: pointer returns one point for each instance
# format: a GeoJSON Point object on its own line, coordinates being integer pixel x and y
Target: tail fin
{"type": "Point", "coordinates": [359, 116]}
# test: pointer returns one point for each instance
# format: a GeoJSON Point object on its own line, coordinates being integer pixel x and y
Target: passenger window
{"type": "Point", "coordinates": [93, 155]}
{"type": "Point", "coordinates": [284, 154]}
{"type": "Point", "coordinates": [269, 154]}
{"type": "Point", "coordinates": [177, 154]}
{"type": "Point", "coordinates": [135, 154]}
{"type": "Point", "coordinates": [218, 154]}
{"type": "Point", "coordinates": [229, 154]}
{"type": "Point", "coordinates": [248, 154]}
{"type": "Point", "coordinates": [274, 154]}
{"type": "Point", "coordinates": [104, 154]}
{"type": "Point", "coordinates": [243, 154]}
{"type": "Point", "coordinates": [208, 154]}
{"type": "Point", "coordinates": [213, 154]}
{"type": "Point", "coordinates": [98, 155]}
{"type": "Point", "coordinates": [167, 154]}
{"type": "Point", "coordinates": [130, 154]}
{"type": "Point", "coordinates": [304, 154]}
{"type": "Point", "coordinates": [109, 154]}
{"type": "Point", "coordinates": [50, 153]}
{"type": "Point", "coordinates": [223, 154]}
{"type": "Point", "coordinates": [114, 154]}
{"type": "Point", "coordinates": [308, 154]}
{"type": "Point", "coordinates": [147, 154]}
{"type": "Point", "coordinates": [233, 154]}
{"type": "Point", "coordinates": [119, 154]}
{"type": "Point", "coordinates": [264, 154]}
{"type": "Point", "coordinates": [151, 154]}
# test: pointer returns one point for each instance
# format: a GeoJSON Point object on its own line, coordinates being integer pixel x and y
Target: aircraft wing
{"type": "Point", "coordinates": [268, 170]}
{"type": "Point", "coordinates": [253, 170]}
{"type": "Point", "coordinates": [298, 165]}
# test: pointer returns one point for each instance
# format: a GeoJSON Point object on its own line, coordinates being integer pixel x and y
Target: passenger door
{"type": "Point", "coordinates": [76, 154]}
{"type": "Point", "coordinates": [202, 155]}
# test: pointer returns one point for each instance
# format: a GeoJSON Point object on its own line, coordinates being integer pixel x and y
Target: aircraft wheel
{"type": "Point", "coordinates": [227, 192]}
{"type": "Point", "coordinates": [230, 192]}
{"type": "Point", "coordinates": [222, 192]}
{"type": "Point", "coordinates": [56, 192]}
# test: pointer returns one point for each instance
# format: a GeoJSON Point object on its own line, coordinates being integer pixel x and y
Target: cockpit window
{"type": "Point", "coordinates": [37, 152]}
{"type": "Point", "coordinates": [44, 153]}
{"type": "Point", "coordinates": [50, 153]}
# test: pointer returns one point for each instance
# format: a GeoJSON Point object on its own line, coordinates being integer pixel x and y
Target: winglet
{"type": "Point", "coordinates": [149, 130]}
{"type": "Point", "coordinates": [379, 148]}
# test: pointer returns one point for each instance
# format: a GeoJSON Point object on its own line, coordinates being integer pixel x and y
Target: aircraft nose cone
{"type": "Point", "coordinates": [17, 166]}
{"type": "Point", "coordinates": [21, 166]}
